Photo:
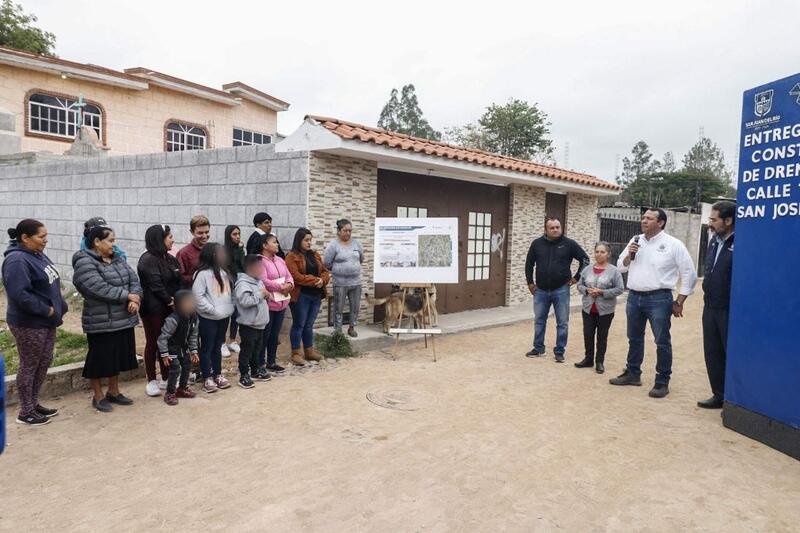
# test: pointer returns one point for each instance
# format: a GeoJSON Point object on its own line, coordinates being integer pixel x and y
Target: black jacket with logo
{"type": "Point", "coordinates": [553, 260]}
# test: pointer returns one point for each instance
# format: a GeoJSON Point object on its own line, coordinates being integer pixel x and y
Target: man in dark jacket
{"type": "Point", "coordinates": [552, 255]}
{"type": "Point", "coordinates": [263, 224]}
{"type": "Point", "coordinates": [716, 299]}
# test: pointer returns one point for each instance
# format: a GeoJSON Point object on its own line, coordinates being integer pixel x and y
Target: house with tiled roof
{"type": "Point", "coordinates": [361, 172]}
{"type": "Point", "coordinates": [134, 111]}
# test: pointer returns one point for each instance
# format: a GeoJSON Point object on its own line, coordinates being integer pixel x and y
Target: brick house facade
{"type": "Point", "coordinates": [346, 165]}
{"type": "Point", "coordinates": [132, 110]}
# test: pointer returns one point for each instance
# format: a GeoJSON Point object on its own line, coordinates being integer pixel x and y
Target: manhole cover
{"type": "Point", "coordinates": [401, 400]}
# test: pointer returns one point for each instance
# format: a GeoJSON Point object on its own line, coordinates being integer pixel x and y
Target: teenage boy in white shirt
{"type": "Point", "coordinates": [654, 262]}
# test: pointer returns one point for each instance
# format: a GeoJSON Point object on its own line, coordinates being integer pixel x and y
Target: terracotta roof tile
{"type": "Point", "coordinates": [350, 130]}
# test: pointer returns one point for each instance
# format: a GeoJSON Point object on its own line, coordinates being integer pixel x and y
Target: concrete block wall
{"type": "Point", "coordinates": [229, 185]}
{"type": "Point", "coordinates": [526, 213]}
{"type": "Point", "coordinates": [343, 187]}
{"type": "Point", "coordinates": [687, 228]}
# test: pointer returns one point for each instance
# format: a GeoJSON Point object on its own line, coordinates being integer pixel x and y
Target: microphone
{"type": "Point", "coordinates": [635, 241]}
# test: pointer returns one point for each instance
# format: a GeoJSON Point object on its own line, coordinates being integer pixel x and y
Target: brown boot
{"type": "Point", "coordinates": [312, 354]}
{"type": "Point", "coordinates": [297, 358]}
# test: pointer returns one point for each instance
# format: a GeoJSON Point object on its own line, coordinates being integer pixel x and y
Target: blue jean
{"type": "Point", "coordinates": [542, 300]}
{"type": "Point", "coordinates": [654, 307]}
{"type": "Point", "coordinates": [212, 337]}
{"type": "Point", "coordinates": [304, 313]}
{"type": "Point", "coordinates": [269, 346]}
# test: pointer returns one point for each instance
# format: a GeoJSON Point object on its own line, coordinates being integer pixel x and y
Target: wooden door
{"type": "Point", "coordinates": [482, 212]}
{"type": "Point", "coordinates": [555, 206]}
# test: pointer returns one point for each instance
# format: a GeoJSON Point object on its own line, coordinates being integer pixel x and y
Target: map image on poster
{"type": "Point", "coordinates": [416, 250]}
{"type": "Point", "coordinates": [435, 251]}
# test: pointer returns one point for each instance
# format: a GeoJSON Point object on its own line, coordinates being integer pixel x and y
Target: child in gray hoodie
{"type": "Point", "coordinates": [251, 298]}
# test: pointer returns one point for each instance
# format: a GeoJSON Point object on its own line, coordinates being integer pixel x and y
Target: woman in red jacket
{"type": "Point", "coordinates": [310, 280]}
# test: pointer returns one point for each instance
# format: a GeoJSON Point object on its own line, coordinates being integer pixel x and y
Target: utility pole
{"type": "Point", "coordinates": [566, 155]}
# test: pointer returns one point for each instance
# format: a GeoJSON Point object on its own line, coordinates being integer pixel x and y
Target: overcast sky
{"type": "Point", "coordinates": [607, 73]}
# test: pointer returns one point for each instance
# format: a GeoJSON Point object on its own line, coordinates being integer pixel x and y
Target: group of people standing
{"type": "Point", "coordinates": [657, 264]}
{"type": "Point", "coordinates": [193, 306]}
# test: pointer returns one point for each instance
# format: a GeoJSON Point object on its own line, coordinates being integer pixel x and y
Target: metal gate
{"type": "Point", "coordinates": [618, 233]}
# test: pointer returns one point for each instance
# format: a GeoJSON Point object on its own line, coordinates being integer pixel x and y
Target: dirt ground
{"type": "Point", "coordinates": [496, 442]}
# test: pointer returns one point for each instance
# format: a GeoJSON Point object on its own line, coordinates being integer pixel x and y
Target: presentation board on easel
{"type": "Point", "coordinates": [416, 254]}
{"type": "Point", "coordinates": [416, 250]}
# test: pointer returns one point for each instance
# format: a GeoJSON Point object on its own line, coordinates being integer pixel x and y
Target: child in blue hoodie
{"type": "Point", "coordinates": [35, 310]}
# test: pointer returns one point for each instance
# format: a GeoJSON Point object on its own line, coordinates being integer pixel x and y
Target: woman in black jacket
{"type": "Point", "coordinates": [233, 243]}
{"type": "Point", "coordinates": [159, 274]}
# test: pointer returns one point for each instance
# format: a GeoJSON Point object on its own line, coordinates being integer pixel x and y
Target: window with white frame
{"type": "Point", "coordinates": [185, 137]}
{"type": "Point", "coordinates": [479, 242]}
{"type": "Point", "coordinates": [412, 212]}
{"type": "Point", "coordinates": [58, 116]}
{"type": "Point", "coordinates": [248, 138]}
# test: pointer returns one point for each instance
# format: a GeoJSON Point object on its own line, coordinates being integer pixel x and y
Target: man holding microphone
{"type": "Point", "coordinates": [654, 262]}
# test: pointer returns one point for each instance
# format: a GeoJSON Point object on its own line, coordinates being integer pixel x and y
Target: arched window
{"type": "Point", "coordinates": [58, 116]}
{"type": "Point", "coordinates": [182, 136]}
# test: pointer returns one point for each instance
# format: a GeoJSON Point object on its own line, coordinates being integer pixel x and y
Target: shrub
{"type": "Point", "coordinates": [334, 346]}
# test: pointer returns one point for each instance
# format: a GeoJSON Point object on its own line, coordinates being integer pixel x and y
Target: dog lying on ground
{"type": "Point", "coordinates": [413, 308]}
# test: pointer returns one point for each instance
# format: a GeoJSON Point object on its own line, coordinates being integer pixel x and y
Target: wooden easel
{"type": "Point", "coordinates": [427, 318]}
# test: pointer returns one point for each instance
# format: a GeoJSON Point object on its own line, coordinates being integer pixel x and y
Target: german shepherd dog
{"type": "Point", "coordinates": [414, 306]}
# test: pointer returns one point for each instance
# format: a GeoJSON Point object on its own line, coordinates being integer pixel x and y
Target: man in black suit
{"type": "Point", "coordinates": [716, 299]}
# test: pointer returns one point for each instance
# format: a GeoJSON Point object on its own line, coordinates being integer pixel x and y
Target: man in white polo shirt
{"type": "Point", "coordinates": [654, 262]}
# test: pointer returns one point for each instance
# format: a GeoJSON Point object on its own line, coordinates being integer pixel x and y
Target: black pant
{"type": "Point", "coordinates": [593, 322]}
{"type": "Point", "coordinates": [715, 347]}
{"type": "Point", "coordinates": [252, 340]}
{"type": "Point", "coordinates": [178, 367]}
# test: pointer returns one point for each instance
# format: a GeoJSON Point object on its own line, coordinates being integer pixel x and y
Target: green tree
{"type": "Point", "coordinates": [640, 163]}
{"type": "Point", "coordinates": [404, 115]}
{"type": "Point", "coordinates": [515, 129]}
{"type": "Point", "coordinates": [705, 157]}
{"type": "Point", "coordinates": [17, 31]}
{"type": "Point", "coordinates": [674, 189]}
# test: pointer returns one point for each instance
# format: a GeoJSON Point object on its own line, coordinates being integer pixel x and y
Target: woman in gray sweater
{"type": "Point", "coordinates": [112, 295]}
{"type": "Point", "coordinates": [600, 284]}
{"type": "Point", "coordinates": [343, 257]}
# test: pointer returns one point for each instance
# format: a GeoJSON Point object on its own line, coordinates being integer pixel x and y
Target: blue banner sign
{"type": "Point", "coordinates": [763, 365]}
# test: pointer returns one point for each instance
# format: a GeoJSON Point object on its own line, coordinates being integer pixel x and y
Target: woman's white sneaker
{"type": "Point", "coordinates": [234, 347]}
{"type": "Point", "coordinates": [152, 388]}
{"type": "Point", "coordinates": [225, 351]}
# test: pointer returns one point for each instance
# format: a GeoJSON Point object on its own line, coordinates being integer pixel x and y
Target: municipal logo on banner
{"type": "Point", "coordinates": [763, 103]}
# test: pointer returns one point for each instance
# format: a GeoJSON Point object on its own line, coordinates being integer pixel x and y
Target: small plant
{"type": "Point", "coordinates": [334, 346]}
